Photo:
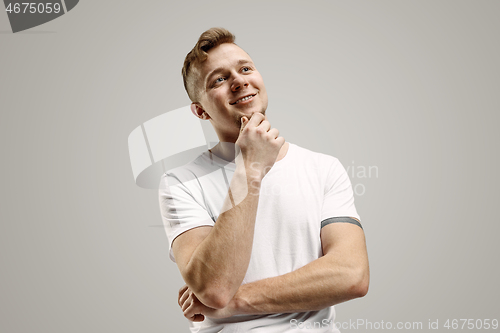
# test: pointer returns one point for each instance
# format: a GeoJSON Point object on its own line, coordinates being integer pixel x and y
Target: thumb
{"type": "Point", "coordinates": [244, 121]}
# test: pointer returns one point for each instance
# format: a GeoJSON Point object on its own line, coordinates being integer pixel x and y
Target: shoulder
{"type": "Point", "coordinates": [326, 169]}
{"type": "Point", "coordinates": [313, 157]}
{"type": "Point", "coordinates": [187, 173]}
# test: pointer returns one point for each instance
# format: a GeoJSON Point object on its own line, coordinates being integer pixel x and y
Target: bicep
{"type": "Point", "coordinates": [345, 240]}
{"type": "Point", "coordinates": [184, 245]}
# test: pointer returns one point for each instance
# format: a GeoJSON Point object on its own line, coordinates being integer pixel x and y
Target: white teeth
{"type": "Point", "coordinates": [243, 99]}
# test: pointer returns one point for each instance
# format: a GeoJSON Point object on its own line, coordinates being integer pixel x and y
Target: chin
{"type": "Point", "coordinates": [263, 111]}
{"type": "Point", "coordinates": [248, 114]}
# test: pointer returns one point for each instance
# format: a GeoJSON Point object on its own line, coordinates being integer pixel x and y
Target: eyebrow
{"type": "Point", "coordinates": [221, 69]}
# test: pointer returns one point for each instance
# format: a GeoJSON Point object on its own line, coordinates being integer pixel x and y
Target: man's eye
{"type": "Point", "coordinates": [219, 80]}
{"type": "Point", "coordinates": [245, 69]}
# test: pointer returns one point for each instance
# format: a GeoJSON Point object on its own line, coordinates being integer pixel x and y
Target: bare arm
{"type": "Point", "coordinates": [341, 274]}
{"type": "Point", "coordinates": [213, 260]}
{"type": "Point", "coordinates": [207, 257]}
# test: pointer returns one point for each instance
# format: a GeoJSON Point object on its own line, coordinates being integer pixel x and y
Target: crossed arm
{"type": "Point", "coordinates": [341, 274]}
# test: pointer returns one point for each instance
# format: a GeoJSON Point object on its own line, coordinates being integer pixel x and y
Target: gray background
{"type": "Point", "coordinates": [410, 87]}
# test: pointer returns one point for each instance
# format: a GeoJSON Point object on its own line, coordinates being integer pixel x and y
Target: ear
{"type": "Point", "coordinates": [198, 111]}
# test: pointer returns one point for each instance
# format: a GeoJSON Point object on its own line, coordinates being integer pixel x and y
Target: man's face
{"type": "Point", "coordinates": [230, 88]}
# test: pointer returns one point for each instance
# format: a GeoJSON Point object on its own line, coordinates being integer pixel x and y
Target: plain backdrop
{"type": "Point", "coordinates": [408, 88]}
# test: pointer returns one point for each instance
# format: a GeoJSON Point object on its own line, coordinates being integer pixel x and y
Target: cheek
{"type": "Point", "coordinates": [263, 94]}
{"type": "Point", "coordinates": [219, 99]}
{"type": "Point", "coordinates": [259, 80]}
{"type": "Point", "coordinates": [262, 88]}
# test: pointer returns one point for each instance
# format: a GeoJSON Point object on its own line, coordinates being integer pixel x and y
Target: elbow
{"type": "Point", "coordinates": [362, 288]}
{"type": "Point", "coordinates": [215, 299]}
{"type": "Point", "coordinates": [361, 282]}
{"type": "Point", "coordinates": [211, 291]}
{"type": "Point", "coordinates": [208, 293]}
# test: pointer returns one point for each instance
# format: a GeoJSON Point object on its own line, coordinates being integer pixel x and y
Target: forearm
{"type": "Point", "coordinates": [219, 264]}
{"type": "Point", "coordinates": [323, 282]}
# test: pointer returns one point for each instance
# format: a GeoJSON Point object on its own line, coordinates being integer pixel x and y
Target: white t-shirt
{"type": "Point", "coordinates": [299, 192]}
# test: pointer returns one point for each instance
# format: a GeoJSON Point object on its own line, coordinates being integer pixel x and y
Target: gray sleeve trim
{"type": "Point", "coordinates": [340, 219]}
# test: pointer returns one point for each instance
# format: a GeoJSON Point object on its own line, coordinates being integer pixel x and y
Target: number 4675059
{"type": "Point", "coordinates": [31, 7]}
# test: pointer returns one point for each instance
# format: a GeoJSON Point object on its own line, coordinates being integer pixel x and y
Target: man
{"type": "Point", "coordinates": [264, 232]}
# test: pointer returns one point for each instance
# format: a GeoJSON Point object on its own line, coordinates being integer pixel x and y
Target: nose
{"type": "Point", "coordinates": [239, 82]}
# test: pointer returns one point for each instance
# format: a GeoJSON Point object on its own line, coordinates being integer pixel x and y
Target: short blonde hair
{"type": "Point", "coordinates": [190, 71]}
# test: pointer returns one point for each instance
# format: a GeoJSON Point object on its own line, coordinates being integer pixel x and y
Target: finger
{"type": "Point", "coordinates": [265, 125]}
{"type": "Point", "coordinates": [187, 312]}
{"type": "Point", "coordinates": [183, 289]}
{"type": "Point", "coordinates": [244, 121]}
{"type": "Point", "coordinates": [181, 292]}
{"type": "Point", "coordinates": [281, 141]}
{"type": "Point", "coordinates": [186, 304]}
{"type": "Point", "coordinates": [256, 118]}
{"type": "Point", "coordinates": [184, 298]}
{"type": "Point", "coordinates": [274, 133]}
{"type": "Point", "coordinates": [191, 310]}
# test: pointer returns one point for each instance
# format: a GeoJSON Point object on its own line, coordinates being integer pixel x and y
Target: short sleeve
{"type": "Point", "coordinates": [182, 207]}
{"type": "Point", "coordinates": [339, 197]}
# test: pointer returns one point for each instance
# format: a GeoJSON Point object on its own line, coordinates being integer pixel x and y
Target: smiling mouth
{"type": "Point", "coordinates": [244, 99]}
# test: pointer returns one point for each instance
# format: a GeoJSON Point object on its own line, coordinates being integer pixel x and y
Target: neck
{"type": "Point", "coordinates": [226, 151]}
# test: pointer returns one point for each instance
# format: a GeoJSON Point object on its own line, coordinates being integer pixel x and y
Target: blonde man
{"type": "Point", "coordinates": [264, 232]}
